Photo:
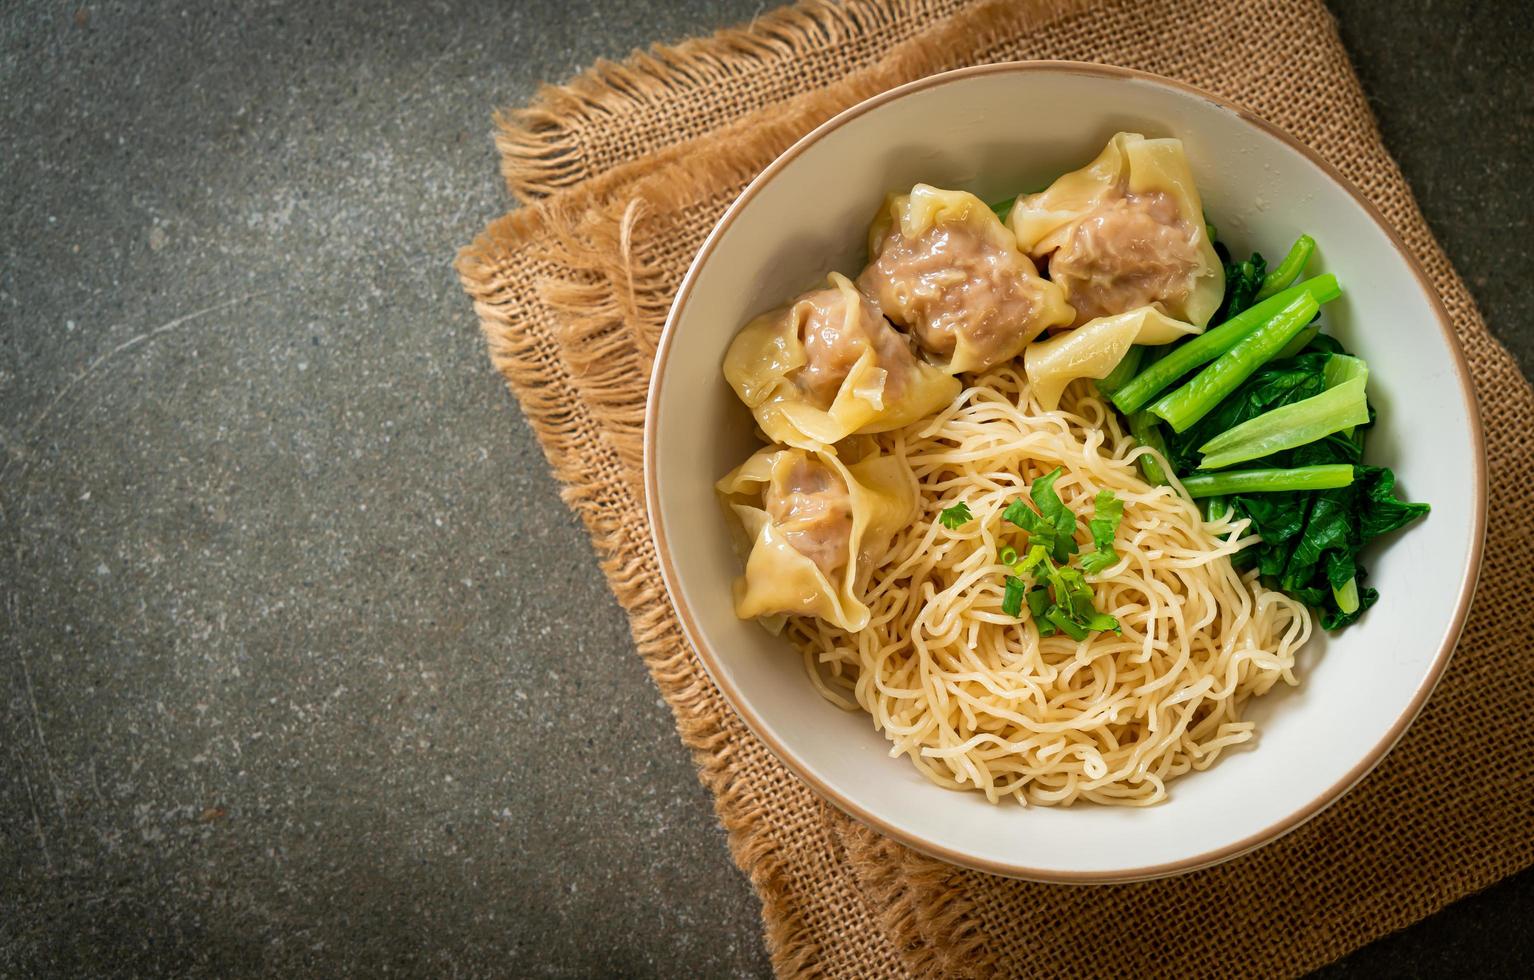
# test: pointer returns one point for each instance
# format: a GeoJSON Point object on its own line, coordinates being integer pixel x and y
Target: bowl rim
{"type": "Point", "coordinates": [1289, 821]}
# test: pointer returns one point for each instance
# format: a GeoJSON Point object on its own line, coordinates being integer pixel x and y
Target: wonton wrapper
{"type": "Point", "coordinates": [827, 366]}
{"type": "Point", "coordinates": [1125, 231]}
{"type": "Point", "coordinates": [780, 580]}
{"type": "Point", "coordinates": [942, 265]}
{"type": "Point", "coordinates": [1094, 349]}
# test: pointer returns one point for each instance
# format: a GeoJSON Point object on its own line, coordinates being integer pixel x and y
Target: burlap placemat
{"type": "Point", "coordinates": [625, 171]}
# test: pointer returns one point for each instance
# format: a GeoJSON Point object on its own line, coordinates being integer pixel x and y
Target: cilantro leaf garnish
{"type": "Point", "coordinates": [1053, 525]}
{"type": "Point", "coordinates": [956, 516]}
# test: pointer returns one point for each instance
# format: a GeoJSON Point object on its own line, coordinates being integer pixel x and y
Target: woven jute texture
{"type": "Point", "coordinates": [623, 172]}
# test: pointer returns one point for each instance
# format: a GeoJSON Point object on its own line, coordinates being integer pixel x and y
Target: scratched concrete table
{"type": "Point", "coordinates": [306, 669]}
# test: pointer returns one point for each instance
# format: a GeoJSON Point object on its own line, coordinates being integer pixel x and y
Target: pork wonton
{"type": "Point", "coordinates": [813, 528]}
{"type": "Point", "coordinates": [943, 266]}
{"type": "Point", "coordinates": [828, 365]}
{"type": "Point", "coordinates": [1125, 231]}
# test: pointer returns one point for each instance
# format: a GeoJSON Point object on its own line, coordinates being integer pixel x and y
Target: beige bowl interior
{"type": "Point", "coordinates": [994, 131]}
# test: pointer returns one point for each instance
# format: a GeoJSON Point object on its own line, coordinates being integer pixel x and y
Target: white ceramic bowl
{"type": "Point", "coordinates": [995, 130]}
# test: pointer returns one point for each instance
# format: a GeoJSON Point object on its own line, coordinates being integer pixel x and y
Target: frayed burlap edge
{"type": "Point", "coordinates": [540, 145]}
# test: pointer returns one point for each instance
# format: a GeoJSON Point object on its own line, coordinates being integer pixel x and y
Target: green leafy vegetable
{"type": "Point", "coordinates": [1214, 508]}
{"type": "Point", "coordinates": [1215, 341]}
{"type": "Point", "coordinates": [1280, 382]}
{"type": "Point", "coordinates": [1289, 269]}
{"type": "Point", "coordinates": [1108, 511]}
{"type": "Point", "coordinates": [1325, 477]}
{"type": "Point", "coordinates": [956, 516]}
{"type": "Point", "coordinates": [1310, 542]}
{"type": "Point", "coordinates": [1003, 208]}
{"type": "Point", "coordinates": [1310, 539]}
{"type": "Point", "coordinates": [1341, 407]}
{"type": "Point", "coordinates": [1242, 281]}
{"type": "Point", "coordinates": [1209, 387]}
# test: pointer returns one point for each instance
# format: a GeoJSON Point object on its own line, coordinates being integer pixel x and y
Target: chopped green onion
{"type": "Point", "coordinates": [1216, 341]}
{"type": "Point", "coordinates": [1209, 387]}
{"type": "Point", "coordinates": [956, 516]}
{"type": "Point", "coordinates": [1054, 526]}
{"type": "Point", "coordinates": [1328, 476]}
{"type": "Point", "coordinates": [1288, 270]}
{"type": "Point", "coordinates": [1037, 555]}
{"type": "Point", "coordinates": [1062, 622]}
{"type": "Point", "coordinates": [1012, 598]}
{"type": "Point", "coordinates": [1008, 555]}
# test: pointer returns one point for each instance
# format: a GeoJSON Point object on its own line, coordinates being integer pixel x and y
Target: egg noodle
{"type": "Point", "coordinates": [976, 698]}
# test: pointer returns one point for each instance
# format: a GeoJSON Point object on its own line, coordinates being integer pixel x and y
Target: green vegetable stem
{"type": "Point", "coordinates": [1198, 397]}
{"type": "Point", "coordinates": [1288, 270]}
{"type": "Point", "coordinates": [1127, 367]}
{"type": "Point", "coordinates": [1216, 341]}
{"type": "Point", "coordinates": [1147, 432]}
{"type": "Point", "coordinates": [1327, 476]}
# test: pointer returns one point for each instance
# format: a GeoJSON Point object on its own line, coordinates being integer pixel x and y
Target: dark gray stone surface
{"type": "Point", "coordinates": [304, 667]}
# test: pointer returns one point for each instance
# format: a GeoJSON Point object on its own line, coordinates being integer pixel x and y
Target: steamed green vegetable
{"type": "Point", "coordinates": [1298, 420]}
{"type": "Point", "coordinates": [1325, 477]}
{"type": "Point", "coordinates": [1147, 432]}
{"type": "Point", "coordinates": [1282, 381]}
{"type": "Point", "coordinates": [1310, 542]}
{"type": "Point", "coordinates": [1301, 341]}
{"type": "Point", "coordinates": [1289, 269]}
{"type": "Point", "coordinates": [1197, 398]}
{"type": "Point", "coordinates": [1216, 341]}
{"type": "Point", "coordinates": [1309, 539]}
{"type": "Point", "coordinates": [1342, 406]}
{"type": "Point", "coordinates": [1243, 280]}
{"type": "Point", "coordinates": [1347, 596]}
